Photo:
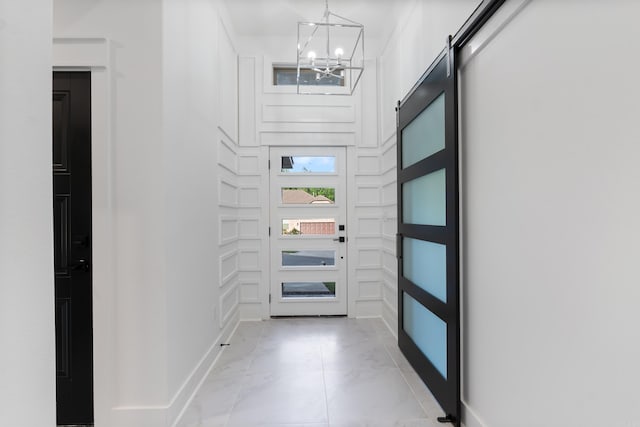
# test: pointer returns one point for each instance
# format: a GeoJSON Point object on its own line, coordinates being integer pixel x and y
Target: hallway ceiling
{"type": "Point", "coordinates": [280, 17]}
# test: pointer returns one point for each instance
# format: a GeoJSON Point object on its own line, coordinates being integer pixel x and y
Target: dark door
{"type": "Point", "coordinates": [428, 299]}
{"type": "Point", "coordinates": [72, 251]}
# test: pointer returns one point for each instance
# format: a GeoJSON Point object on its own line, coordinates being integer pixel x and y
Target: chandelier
{"type": "Point", "coordinates": [330, 55]}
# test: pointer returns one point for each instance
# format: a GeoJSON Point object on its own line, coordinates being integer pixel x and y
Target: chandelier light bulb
{"type": "Point", "coordinates": [339, 52]}
{"type": "Point", "coordinates": [311, 56]}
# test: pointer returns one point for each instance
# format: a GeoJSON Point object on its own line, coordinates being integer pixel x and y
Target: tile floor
{"type": "Point", "coordinates": [312, 372]}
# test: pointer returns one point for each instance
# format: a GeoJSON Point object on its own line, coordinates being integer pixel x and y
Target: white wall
{"type": "Point", "coordinates": [171, 110]}
{"type": "Point", "coordinates": [418, 38]}
{"type": "Point", "coordinates": [200, 124]}
{"type": "Point", "coordinates": [549, 164]}
{"type": "Point", "coordinates": [134, 29]}
{"type": "Point", "coordinates": [27, 336]}
{"type": "Point", "coordinates": [549, 113]}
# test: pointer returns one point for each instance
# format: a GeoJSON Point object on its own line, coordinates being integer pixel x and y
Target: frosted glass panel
{"type": "Point", "coordinates": [425, 264]}
{"type": "Point", "coordinates": [424, 136]}
{"type": "Point", "coordinates": [424, 199]}
{"type": "Point", "coordinates": [427, 331]}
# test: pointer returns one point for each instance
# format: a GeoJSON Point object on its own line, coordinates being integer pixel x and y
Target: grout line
{"type": "Point", "coordinates": [324, 382]}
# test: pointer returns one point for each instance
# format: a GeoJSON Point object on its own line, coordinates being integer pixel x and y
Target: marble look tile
{"type": "Point", "coordinates": [321, 329]}
{"type": "Point", "coordinates": [213, 402]}
{"type": "Point", "coordinates": [422, 422]}
{"type": "Point", "coordinates": [394, 352]}
{"type": "Point", "coordinates": [370, 397]}
{"type": "Point", "coordinates": [297, 425]}
{"type": "Point", "coordinates": [312, 372]}
{"type": "Point", "coordinates": [250, 329]}
{"type": "Point", "coordinates": [351, 334]}
{"type": "Point", "coordinates": [232, 363]}
{"type": "Point", "coordinates": [281, 398]}
{"type": "Point", "coordinates": [286, 355]}
{"type": "Point", "coordinates": [369, 354]}
{"type": "Point", "coordinates": [381, 327]}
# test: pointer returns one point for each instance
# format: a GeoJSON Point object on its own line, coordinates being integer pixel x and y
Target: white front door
{"type": "Point", "coordinates": [308, 241]}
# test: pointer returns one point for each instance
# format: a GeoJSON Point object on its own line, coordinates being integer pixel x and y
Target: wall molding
{"type": "Point", "coordinates": [232, 292]}
{"type": "Point", "coordinates": [308, 113]}
{"type": "Point", "coordinates": [233, 203]}
{"type": "Point", "coordinates": [226, 256]}
{"type": "Point", "coordinates": [92, 52]}
{"type": "Point", "coordinates": [231, 221]}
{"type": "Point", "coordinates": [284, 138]}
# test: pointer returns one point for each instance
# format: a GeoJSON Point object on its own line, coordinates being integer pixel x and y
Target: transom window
{"type": "Point", "coordinates": [286, 76]}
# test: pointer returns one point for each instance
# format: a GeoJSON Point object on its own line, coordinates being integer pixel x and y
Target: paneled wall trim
{"type": "Point", "coordinates": [228, 267]}
{"type": "Point", "coordinates": [228, 230]}
{"type": "Point", "coordinates": [301, 113]}
{"type": "Point", "coordinates": [86, 52]}
{"type": "Point", "coordinates": [281, 138]}
{"type": "Point", "coordinates": [272, 116]}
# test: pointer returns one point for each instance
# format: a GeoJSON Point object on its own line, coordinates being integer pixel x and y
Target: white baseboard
{"type": "Point", "coordinates": [139, 416]}
{"type": "Point", "coordinates": [186, 393]}
{"type": "Point", "coordinates": [169, 415]}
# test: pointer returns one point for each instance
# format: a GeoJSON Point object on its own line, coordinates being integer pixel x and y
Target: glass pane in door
{"type": "Point", "coordinates": [308, 258]}
{"type": "Point", "coordinates": [315, 196]}
{"type": "Point", "coordinates": [309, 227]}
{"type": "Point", "coordinates": [427, 331]}
{"type": "Point", "coordinates": [425, 264]}
{"type": "Point", "coordinates": [308, 164]}
{"type": "Point", "coordinates": [424, 136]}
{"type": "Point", "coordinates": [308, 289]}
{"type": "Point", "coordinates": [424, 199]}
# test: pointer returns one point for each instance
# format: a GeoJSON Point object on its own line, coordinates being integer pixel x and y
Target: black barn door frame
{"type": "Point", "coordinates": [440, 80]}
{"type": "Point", "coordinates": [440, 77]}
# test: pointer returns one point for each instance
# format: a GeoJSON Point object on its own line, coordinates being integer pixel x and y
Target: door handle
{"type": "Point", "coordinates": [81, 265]}
{"type": "Point", "coordinates": [340, 239]}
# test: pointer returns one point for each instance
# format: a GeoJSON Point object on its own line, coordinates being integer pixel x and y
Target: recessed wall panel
{"type": "Point", "coordinates": [249, 196]}
{"type": "Point", "coordinates": [248, 165]}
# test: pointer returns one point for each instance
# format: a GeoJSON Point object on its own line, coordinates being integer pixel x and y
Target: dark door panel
{"type": "Point", "coordinates": [72, 246]}
{"type": "Point", "coordinates": [428, 279]}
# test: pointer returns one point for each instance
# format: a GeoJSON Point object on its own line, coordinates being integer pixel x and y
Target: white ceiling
{"type": "Point", "coordinates": [280, 17]}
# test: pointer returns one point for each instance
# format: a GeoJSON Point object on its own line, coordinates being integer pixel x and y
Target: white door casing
{"type": "Point", "coordinates": [308, 236]}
